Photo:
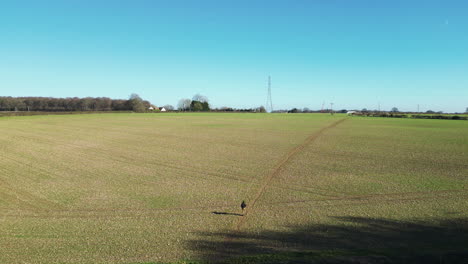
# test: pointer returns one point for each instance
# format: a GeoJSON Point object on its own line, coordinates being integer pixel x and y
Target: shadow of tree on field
{"type": "Point", "coordinates": [351, 240]}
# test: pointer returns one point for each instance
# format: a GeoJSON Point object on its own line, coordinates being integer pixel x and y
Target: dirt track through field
{"type": "Point", "coordinates": [277, 169]}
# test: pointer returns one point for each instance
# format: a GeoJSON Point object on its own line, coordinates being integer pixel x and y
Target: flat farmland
{"type": "Point", "coordinates": [147, 188]}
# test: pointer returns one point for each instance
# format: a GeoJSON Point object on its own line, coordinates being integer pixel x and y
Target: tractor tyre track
{"type": "Point", "coordinates": [21, 197]}
{"type": "Point", "coordinates": [278, 168]}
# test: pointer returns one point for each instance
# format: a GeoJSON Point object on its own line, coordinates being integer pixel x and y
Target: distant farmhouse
{"type": "Point", "coordinates": [352, 112]}
{"type": "Point", "coordinates": [155, 108]}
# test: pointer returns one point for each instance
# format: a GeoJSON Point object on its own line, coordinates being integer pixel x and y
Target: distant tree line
{"type": "Point", "coordinates": [199, 103]}
{"type": "Point", "coordinates": [260, 109]}
{"type": "Point", "coordinates": [417, 115]}
{"type": "Point", "coordinates": [50, 104]}
{"type": "Point", "coordinates": [307, 110]}
{"type": "Point", "coordinates": [392, 113]}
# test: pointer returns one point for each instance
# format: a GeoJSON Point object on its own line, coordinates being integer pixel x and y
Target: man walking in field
{"type": "Point", "coordinates": [243, 206]}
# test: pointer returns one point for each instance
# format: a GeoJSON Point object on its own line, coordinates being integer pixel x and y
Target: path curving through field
{"type": "Point", "coordinates": [266, 181]}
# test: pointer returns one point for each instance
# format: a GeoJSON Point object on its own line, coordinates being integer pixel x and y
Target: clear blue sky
{"type": "Point", "coordinates": [350, 52]}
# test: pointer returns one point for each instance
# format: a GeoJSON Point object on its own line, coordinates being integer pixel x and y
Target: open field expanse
{"type": "Point", "coordinates": [144, 188]}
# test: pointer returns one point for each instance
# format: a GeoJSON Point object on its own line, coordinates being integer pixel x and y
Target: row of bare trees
{"type": "Point", "coordinates": [49, 104]}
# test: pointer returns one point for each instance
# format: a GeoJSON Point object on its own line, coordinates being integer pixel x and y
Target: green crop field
{"type": "Point", "coordinates": [149, 188]}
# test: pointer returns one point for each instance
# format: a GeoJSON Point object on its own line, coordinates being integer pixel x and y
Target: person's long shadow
{"type": "Point", "coordinates": [226, 213]}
